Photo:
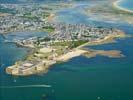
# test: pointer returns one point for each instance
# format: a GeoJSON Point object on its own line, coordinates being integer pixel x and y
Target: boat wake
{"type": "Point", "coordinates": [27, 86]}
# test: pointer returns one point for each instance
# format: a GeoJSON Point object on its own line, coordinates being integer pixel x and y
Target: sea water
{"type": "Point", "coordinates": [127, 4]}
{"type": "Point", "coordinates": [97, 78]}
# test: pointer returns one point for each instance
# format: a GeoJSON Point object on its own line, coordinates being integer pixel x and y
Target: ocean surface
{"type": "Point", "coordinates": [127, 4]}
{"type": "Point", "coordinates": [81, 78]}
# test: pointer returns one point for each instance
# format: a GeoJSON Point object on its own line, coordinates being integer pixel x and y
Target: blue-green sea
{"type": "Point", "coordinates": [81, 78]}
{"type": "Point", "coordinates": [127, 4]}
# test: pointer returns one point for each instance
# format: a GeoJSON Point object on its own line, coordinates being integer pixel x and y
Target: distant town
{"type": "Point", "coordinates": [31, 17]}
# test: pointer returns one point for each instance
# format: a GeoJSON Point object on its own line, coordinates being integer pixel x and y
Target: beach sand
{"type": "Point", "coordinates": [3, 14]}
{"type": "Point", "coordinates": [90, 53]}
{"type": "Point", "coordinates": [71, 54]}
{"type": "Point", "coordinates": [51, 17]}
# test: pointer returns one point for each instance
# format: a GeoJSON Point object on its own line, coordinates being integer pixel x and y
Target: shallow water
{"type": "Point", "coordinates": [127, 4]}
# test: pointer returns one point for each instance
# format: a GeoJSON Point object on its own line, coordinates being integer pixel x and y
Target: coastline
{"type": "Point", "coordinates": [116, 5]}
{"type": "Point", "coordinates": [45, 64]}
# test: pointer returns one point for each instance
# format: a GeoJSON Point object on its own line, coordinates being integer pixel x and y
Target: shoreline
{"type": "Point", "coordinates": [116, 5]}
{"type": "Point", "coordinates": [45, 64]}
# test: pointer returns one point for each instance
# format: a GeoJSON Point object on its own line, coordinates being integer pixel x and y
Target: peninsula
{"type": "Point", "coordinates": [66, 42]}
{"type": "Point", "coordinates": [63, 42]}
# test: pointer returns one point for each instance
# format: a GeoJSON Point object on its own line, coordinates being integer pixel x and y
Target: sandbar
{"type": "Point", "coordinates": [116, 4]}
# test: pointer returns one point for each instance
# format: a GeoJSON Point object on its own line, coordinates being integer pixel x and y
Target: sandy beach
{"type": "Point", "coordinates": [90, 53]}
{"type": "Point", "coordinates": [71, 54]}
{"type": "Point", "coordinates": [51, 17]}
{"type": "Point", "coordinates": [116, 5]}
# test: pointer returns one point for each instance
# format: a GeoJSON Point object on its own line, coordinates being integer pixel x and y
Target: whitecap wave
{"type": "Point", "coordinates": [28, 86]}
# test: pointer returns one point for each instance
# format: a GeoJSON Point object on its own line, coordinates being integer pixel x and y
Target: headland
{"type": "Point", "coordinates": [66, 42]}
